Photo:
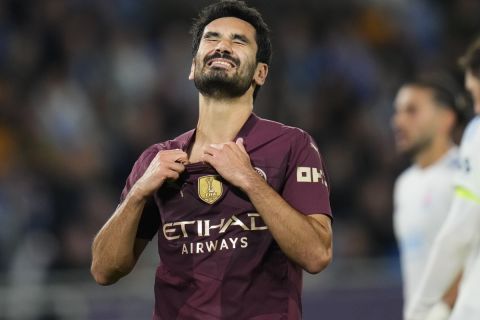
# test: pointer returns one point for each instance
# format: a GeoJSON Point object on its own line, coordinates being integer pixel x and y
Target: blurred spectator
{"type": "Point", "coordinates": [86, 85]}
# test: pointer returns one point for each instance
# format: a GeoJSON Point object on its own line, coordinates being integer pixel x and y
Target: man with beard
{"type": "Point", "coordinates": [457, 247]}
{"type": "Point", "coordinates": [240, 203]}
{"type": "Point", "coordinates": [427, 111]}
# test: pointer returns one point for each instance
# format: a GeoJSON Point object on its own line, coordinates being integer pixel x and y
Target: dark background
{"type": "Point", "coordinates": [85, 86]}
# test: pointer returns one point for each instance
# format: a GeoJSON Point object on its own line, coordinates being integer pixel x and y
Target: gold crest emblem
{"type": "Point", "coordinates": [210, 188]}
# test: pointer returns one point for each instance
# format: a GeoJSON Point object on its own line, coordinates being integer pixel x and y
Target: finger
{"type": "Point", "coordinates": [230, 147]}
{"type": "Point", "coordinates": [217, 146]}
{"type": "Point", "coordinates": [172, 151]}
{"type": "Point", "coordinates": [175, 155]}
{"type": "Point", "coordinates": [179, 154]}
{"type": "Point", "coordinates": [177, 167]}
{"type": "Point", "coordinates": [172, 175]}
{"type": "Point", "coordinates": [210, 150]}
{"type": "Point", "coordinates": [208, 158]}
{"type": "Point", "coordinates": [235, 148]}
{"type": "Point", "coordinates": [239, 143]}
{"type": "Point", "coordinates": [183, 159]}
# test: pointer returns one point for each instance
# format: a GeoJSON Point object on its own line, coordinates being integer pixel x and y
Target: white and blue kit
{"type": "Point", "coordinates": [422, 199]}
{"type": "Point", "coordinates": [457, 246]}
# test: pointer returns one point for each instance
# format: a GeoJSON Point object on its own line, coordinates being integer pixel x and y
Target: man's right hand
{"type": "Point", "coordinates": [167, 164]}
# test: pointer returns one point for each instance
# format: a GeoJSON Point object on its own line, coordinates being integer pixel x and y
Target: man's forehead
{"type": "Point", "coordinates": [409, 92]}
{"type": "Point", "coordinates": [416, 91]}
{"type": "Point", "coordinates": [231, 25]}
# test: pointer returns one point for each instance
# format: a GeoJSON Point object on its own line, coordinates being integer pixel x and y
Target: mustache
{"type": "Point", "coordinates": [220, 55]}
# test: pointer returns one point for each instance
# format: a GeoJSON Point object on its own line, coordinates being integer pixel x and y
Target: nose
{"type": "Point", "coordinates": [224, 46]}
{"type": "Point", "coordinates": [396, 120]}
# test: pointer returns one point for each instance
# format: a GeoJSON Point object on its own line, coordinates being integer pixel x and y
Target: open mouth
{"type": "Point", "coordinates": [221, 63]}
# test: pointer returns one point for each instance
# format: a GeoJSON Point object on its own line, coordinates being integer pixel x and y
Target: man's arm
{"type": "Point", "coordinates": [442, 309]}
{"type": "Point", "coordinates": [116, 249]}
{"type": "Point", "coordinates": [448, 255]}
{"type": "Point", "coordinates": [450, 296]}
{"type": "Point", "coordinates": [307, 240]}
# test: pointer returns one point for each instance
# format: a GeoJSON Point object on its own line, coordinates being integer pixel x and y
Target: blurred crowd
{"type": "Point", "coordinates": [86, 85]}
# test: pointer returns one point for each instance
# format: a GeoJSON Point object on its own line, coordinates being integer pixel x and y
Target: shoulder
{"type": "Point", "coordinates": [471, 140]}
{"type": "Point", "coordinates": [472, 131]}
{"type": "Point", "coordinates": [286, 133]}
{"type": "Point", "coordinates": [146, 157]}
{"type": "Point", "coordinates": [406, 176]}
{"type": "Point", "coordinates": [295, 140]}
{"type": "Point", "coordinates": [279, 127]}
{"type": "Point", "coordinates": [177, 143]}
{"type": "Point", "coordinates": [451, 159]}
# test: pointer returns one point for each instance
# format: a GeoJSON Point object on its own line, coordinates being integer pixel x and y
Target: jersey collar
{"type": "Point", "coordinates": [186, 139]}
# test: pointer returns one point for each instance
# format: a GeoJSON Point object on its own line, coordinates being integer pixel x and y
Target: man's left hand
{"type": "Point", "coordinates": [232, 162]}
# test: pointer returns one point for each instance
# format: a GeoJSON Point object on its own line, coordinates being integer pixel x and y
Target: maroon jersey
{"type": "Point", "coordinates": [218, 258]}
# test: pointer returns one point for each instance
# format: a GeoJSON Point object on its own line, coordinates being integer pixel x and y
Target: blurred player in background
{"type": "Point", "coordinates": [241, 204]}
{"type": "Point", "coordinates": [427, 112]}
{"type": "Point", "coordinates": [457, 246]}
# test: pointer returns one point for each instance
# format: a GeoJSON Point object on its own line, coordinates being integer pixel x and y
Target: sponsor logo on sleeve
{"type": "Point", "coordinates": [312, 175]}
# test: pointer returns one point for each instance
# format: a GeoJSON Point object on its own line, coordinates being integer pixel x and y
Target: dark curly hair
{"type": "Point", "coordinates": [470, 61]}
{"type": "Point", "coordinates": [237, 9]}
{"type": "Point", "coordinates": [447, 93]}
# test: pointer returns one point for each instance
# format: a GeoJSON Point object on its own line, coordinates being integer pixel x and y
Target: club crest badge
{"type": "Point", "coordinates": [261, 173]}
{"type": "Point", "coordinates": [210, 189]}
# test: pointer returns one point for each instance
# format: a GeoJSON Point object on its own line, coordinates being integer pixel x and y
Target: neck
{"type": "Point", "coordinates": [220, 121]}
{"type": "Point", "coordinates": [434, 153]}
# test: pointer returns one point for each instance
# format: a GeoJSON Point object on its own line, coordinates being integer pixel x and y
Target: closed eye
{"type": "Point", "coordinates": [240, 39]}
{"type": "Point", "coordinates": [239, 42]}
{"type": "Point", "coordinates": [211, 36]}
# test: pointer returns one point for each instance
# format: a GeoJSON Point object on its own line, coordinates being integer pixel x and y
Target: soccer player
{"type": "Point", "coordinates": [240, 203]}
{"type": "Point", "coordinates": [427, 111]}
{"type": "Point", "coordinates": [457, 246]}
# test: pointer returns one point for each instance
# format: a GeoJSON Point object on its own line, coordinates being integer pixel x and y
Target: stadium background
{"type": "Point", "coordinates": [86, 85]}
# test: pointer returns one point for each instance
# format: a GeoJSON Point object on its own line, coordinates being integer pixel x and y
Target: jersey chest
{"type": "Point", "coordinates": [422, 203]}
{"type": "Point", "coordinates": [203, 214]}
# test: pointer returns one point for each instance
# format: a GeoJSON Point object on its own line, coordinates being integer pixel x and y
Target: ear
{"type": "Point", "coordinates": [448, 120]}
{"type": "Point", "coordinates": [192, 70]}
{"type": "Point", "coordinates": [260, 73]}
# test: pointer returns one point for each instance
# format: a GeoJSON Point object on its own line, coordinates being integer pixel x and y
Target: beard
{"type": "Point", "coordinates": [217, 83]}
{"type": "Point", "coordinates": [417, 147]}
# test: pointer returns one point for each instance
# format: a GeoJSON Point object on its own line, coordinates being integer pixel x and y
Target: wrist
{"type": "Point", "coordinates": [138, 194]}
{"type": "Point", "coordinates": [252, 182]}
{"type": "Point", "coordinates": [440, 311]}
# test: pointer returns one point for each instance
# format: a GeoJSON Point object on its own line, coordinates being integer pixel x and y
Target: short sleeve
{"type": "Point", "coordinates": [468, 175]}
{"type": "Point", "coordinates": [150, 220]}
{"type": "Point", "coordinates": [306, 184]}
